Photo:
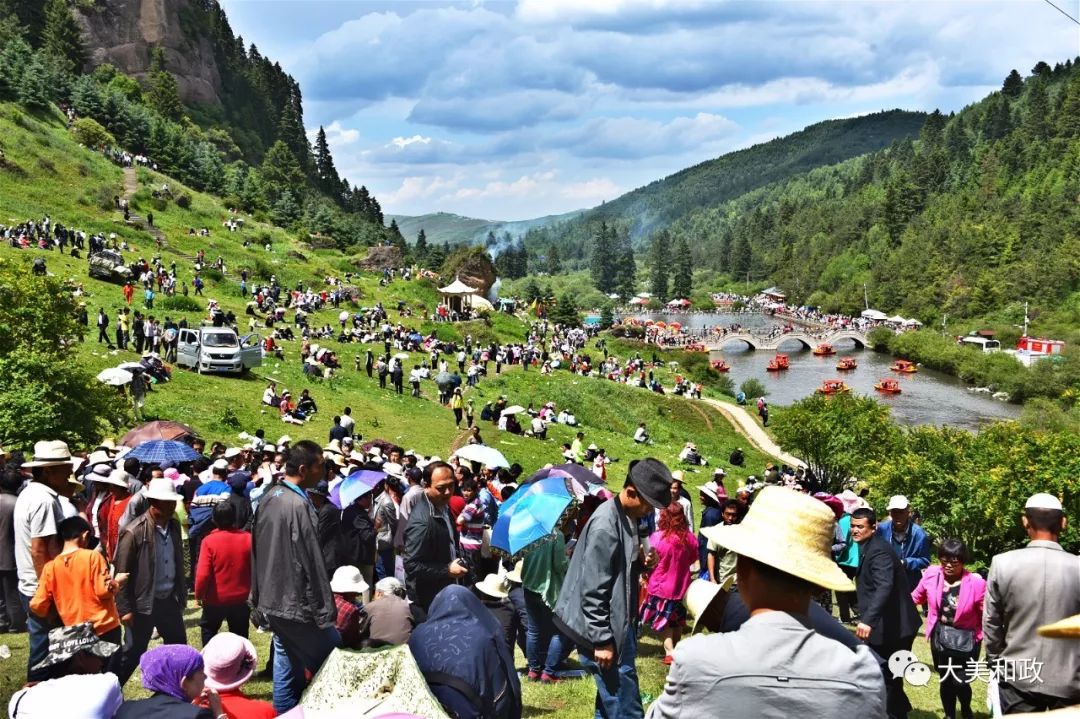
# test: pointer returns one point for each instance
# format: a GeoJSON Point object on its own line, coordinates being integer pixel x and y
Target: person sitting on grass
{"type": "Point", "coordinates": [352, 622]}
{"type": "Point", "coordinates": [175, 674]}
{"type": "Point", "coordinates": [230, 661]}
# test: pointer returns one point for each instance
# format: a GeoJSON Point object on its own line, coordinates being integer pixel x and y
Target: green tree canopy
{"type": "Point", "coordinates": [62, 37]}
{"type": "Point", "coordinates": [45, 392]}
{"type": "Point", "coordinates": [839, 437]}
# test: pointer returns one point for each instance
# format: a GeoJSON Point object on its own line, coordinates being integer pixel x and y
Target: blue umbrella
{"type": "Point", "coordinates": [355, 486]}
{"type": "Point", "coordinates": [160, 451]}
{"type": "Point", "coordinates": [532, 515]}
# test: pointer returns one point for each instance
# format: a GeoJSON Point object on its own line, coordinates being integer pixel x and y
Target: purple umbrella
{"type": "Point", "coordinates": [355, 486]}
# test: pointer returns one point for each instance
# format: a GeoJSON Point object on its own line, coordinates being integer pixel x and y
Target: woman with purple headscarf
{"type": "Point", "coordinates": [174, 673]}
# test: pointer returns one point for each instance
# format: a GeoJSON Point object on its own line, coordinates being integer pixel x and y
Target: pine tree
{"type": "Point", "coordinates": [286, 211]}
{"type": "Point", "coordinates": [1013, 85]}
{"type": "Point", "coordinates": [397, 239]}
{"type": "Point", "coordinates": [291, 131]}
{"type": "Point", "coordinates": [1069, 117]}
{"type": "Point", "coordinates": [554, 262]}
{"type": "Point", "coordinates": [329, 181]}
{"type": "Point", "coordinates": [607, 316]}
{"type": "Point", "coordinates": [33, 90]}
{"type": "Point", "coordinates": [1037, 118]}
{"type": "Point", "coordinates": [62, 37]}
{"type": "Point", "coordinates": [280, 173]}
{"type": "Point", "coordinates": [626, 269]}
{"type": "Point", "coordinates": [163, 94]}
{"type": "Point", "coordinates": [602, 262]}
{"type": "Point", "coordinates": [420, 249]}
{"type": "Point", "coordinates": [742, 257]}
{"type": "Point", "coordinates": [659, 266]}
{"type": "Point", "coordinates": [565, 312]}
{"type": "Point", "coordinates": [682, 284]}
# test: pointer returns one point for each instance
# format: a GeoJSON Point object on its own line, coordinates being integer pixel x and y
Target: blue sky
{"type": "Point", "coordinates": [513, 110]}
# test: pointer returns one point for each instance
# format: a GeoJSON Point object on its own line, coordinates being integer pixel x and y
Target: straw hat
{"type": "Point", "coordinates": [229, 661]}
{"type": "Point", "coordinates": [514, 575]}
{"type": "Point", "coordinates": [700, 595]}
{"type": "Point", "coordinates": [712, 490]}
{"type": "Point", "coordinates": [117, 478]}
{"type": "Point", "coordinates": [494, 586]}
{"type": "Point", "coordinates": [348, 580]}
{"type": "Point", "coordinates": [1068, 628]}
{"type": "Point", "coordinates": [52, 453]}
{"type": "Point", "coordinates": [98, 457]}
{"type": "Point", "coordinates": [789, 531]}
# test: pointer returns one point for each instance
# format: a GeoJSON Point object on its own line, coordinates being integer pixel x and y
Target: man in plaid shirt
{"type": "Point", "coordinates": [352, 621]}
{"type": "Point", "coordinates": [471, 526]}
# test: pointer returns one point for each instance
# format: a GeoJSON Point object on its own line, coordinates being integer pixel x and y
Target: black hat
{"type": "Point", "coordinates": [321, 489]}
{"type": "Point", "coordinates": [652, 479]}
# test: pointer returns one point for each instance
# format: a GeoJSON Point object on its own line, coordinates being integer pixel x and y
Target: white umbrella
{"type": "Point", "coordinates": [131, 365]}
{"type": "Point", "coordinates": [514, 409]}
{"type": "Point", "coordinates": [401, 355]}
{"type": "Point", "coordinates": [483, 454]}
{"type": "Point", "coordinates": [114, 376]}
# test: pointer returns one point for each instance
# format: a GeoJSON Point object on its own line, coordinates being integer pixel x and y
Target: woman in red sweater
{"type": "Point", "coordinates": [223, 576]}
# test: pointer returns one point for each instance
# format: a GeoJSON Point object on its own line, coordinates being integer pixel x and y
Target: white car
{"type": "Point", "coordinates": [218, 349]}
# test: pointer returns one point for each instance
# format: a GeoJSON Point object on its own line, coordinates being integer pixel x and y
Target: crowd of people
{"type": "Point", "coordinates": [105, 550]}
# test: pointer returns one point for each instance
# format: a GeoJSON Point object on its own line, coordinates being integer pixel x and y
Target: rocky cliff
{"type": "Point", "coordinates": [123, 33]}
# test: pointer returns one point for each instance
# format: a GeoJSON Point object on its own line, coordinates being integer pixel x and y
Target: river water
{"type": "Point", "coordinates": [928, 397]}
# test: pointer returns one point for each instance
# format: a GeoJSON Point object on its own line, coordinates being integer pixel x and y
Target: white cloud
{"type": "Point", "coordinates": [402, 142]}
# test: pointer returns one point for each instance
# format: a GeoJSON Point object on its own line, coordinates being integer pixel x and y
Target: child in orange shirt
{"type": "Point", "coordinates": [77, 583]}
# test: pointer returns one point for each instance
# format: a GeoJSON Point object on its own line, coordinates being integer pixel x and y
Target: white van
{"type": "Point", "coordinates": [217, 349]}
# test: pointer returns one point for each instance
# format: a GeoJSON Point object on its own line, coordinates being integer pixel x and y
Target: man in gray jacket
{"type": "Point", "coordinates": [775, 665]}
{"type": "Point", "coordinates": [289, 584]}
{"type": "Point", "coordinates": [597, 606]}
{"type": "Point", "coordinates": [1025, 589]}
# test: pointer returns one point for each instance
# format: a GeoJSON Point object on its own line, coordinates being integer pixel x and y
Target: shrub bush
{"type": "Point", "coordinates": [91, 133]}
{"type": "Point", "coordinates": [753, 387]}
{"type": "Point", "coordinates": [212, 273]}
{"type": "Point", "coordinates": [183, 200]}
{"type": "Point", "coordinates": [180, 303]}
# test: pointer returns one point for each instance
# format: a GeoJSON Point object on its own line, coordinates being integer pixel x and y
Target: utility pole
{"type": "Point", "coordinates": [1026, 320]}
{"type": "Point", "coordinates": [865, 297]}
{"type": "Point", "coordinates": [944, 318]}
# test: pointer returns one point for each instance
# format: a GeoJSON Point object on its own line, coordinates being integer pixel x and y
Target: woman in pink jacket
{"type": "Point", "coordinates": [676, 548]}
{"type": "Point", "coordinates": [954, 600]}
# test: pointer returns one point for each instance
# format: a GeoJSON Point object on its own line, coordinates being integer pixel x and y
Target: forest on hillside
{"type": "Point", "coordinates": [252, 149]}
{"type": "Point", "coordinates": [979, 213]}
{"type": "Point", "coordinates": [640, 213]}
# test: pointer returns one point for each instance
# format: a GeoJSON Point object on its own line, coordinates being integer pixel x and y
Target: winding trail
{"type": "Point", "coordinates": [744, 423]}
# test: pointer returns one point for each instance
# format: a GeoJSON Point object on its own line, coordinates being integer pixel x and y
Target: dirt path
{"type": "Point", "coordinates": [131, 186]}
{"type": "Point", "coordinates": [744, 423]}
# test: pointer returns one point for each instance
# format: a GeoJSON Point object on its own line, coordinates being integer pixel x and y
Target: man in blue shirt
{"type": "Point", "coordinates": [907, 539]}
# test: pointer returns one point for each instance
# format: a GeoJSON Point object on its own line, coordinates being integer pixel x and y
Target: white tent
{"type": "Point", "coordinates": [875, 315]}
{"type": "Point", "coordinates": [897, 320]}
{"type": "Point", "coordinates": [913, 323]}
{"type": "Point", "coordinates": [457, 287]}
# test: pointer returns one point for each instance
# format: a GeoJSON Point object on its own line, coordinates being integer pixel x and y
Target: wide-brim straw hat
{"type": "Point", "coordinates": [117, 478]}
{"type": "Point", "coordinates": [710, 490]}
{"type": "Point", "coordinates": [789, 531]}
{"type": "Point", "coordinates": [700, 595]}
{"type": "Point", "coordinates": [1068, 628]}
{"type": "Point", "coordinates": [494, 586]}
{"type": "Point", "coordinates": [52, 453]}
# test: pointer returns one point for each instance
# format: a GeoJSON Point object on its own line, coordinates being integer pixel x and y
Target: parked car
{"type": "Point", "coordinates": [109, 265]}
{"type": "Point", "coordinates": [218, 349]}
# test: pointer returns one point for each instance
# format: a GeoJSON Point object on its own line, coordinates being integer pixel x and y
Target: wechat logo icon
{"type": "Point", "coordinates": [903, 663]}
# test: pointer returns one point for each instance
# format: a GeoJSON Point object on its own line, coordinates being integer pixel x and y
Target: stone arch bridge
{"type": "Point", "coordinates": [715, 343]}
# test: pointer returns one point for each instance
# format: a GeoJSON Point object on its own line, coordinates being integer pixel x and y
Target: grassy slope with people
{"type": "Point", "coordinates": [77, 191]}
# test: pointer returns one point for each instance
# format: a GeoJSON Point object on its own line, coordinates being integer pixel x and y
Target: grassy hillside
{"type": "Point", "coordinates": [74, 192]}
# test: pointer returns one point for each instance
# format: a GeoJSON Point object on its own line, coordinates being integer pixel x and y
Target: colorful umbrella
{"type": "Point", "coordinates": [532, 515]}
{"type": "Point", "coordinates": [483, 454]}
{"type": "Point", "coordinates": [160, 451]}
{"type": "Point", "coordinates": [355, 486]}
{"type": "Point", "coordinates": [160, 429]}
